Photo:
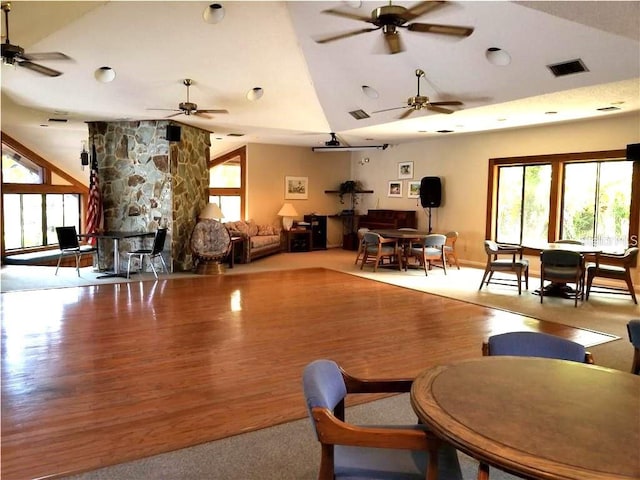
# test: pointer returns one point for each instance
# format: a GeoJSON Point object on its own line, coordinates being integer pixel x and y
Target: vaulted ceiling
{"type": "Point", "coordinates": [310, 87]}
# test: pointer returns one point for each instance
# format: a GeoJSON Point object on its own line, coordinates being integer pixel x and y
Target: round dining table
{"type": "Point", "coordinates": [538, 418]}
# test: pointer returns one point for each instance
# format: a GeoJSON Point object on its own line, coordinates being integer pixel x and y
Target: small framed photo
{"type": "Point", "coordinates": [413, 189]}
{"type": "Point", "coordinates": [296, 188]}
{"type": "Point", "coordinates": [405, 170]}
{"type": "Point", "coordinates": [395, 189]}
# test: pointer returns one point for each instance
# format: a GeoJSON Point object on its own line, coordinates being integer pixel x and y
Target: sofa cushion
{"type": "Point", "coordinates": [268, 230]}
{"type": "Point", "coordinates": [240, 227]}
{"type": "Point", "coordinates": [263, 241]}
{"type": "Point", "coordinates": [253, 228]}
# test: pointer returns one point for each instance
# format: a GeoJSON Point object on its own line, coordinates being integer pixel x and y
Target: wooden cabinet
{"type": "Point", "coordinates": [318, 225]}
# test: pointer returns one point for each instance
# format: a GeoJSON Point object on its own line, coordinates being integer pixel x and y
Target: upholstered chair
{"type": "Point", "coordinates": [633, 328]}
{"type": "Point", "coordinates": [350, 451]}
{"type": "Point", "coordinates": [505, 258]}
{"type": "Point", "coordinates": [210, 244]}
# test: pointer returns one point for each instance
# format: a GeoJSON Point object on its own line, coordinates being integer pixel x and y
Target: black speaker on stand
{"type": "Point", "coordinates": [430, 194]}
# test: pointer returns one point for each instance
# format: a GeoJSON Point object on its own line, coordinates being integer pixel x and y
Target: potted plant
{"type": "Point", "coordinates": [350, 187]}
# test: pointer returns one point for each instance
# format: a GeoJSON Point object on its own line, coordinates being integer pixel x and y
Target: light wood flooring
{"type": "Point", "coordinates": [98, 375]}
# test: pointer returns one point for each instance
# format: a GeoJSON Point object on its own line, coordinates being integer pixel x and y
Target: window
{"type": "Point", "coordinates": [32, 207]}
{"type": "Point", "coordinates": [585, 196]}
{"type": "Point", "coordinates": [226, 184]}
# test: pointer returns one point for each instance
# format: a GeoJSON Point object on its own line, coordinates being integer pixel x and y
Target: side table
{"type": "Point", "coordinates": [299, 241]}
{"type": "Point", "coordinates": [235, 241]}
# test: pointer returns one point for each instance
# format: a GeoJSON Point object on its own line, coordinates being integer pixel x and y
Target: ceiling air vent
{"type": "Point", "coordinates": [567, 68]}
{"type": "Point", "coordinates": [59, 120]}
{"type": "Point", "coordinates": [359, 114]}
{"type": "Point", "coordinates": [608, 109]}
{"type": "Point", "coordinates": [235, 134]}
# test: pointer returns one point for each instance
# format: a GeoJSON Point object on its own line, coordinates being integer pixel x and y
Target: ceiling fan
{"type": "Point", "coordinates": [419, 102]}
{"type": "Point", "coordinates": [392, 17]}
{"type": "Point", "coordinates": [14, 54]}
{"type": "Point", "coordinates": [190, 108]}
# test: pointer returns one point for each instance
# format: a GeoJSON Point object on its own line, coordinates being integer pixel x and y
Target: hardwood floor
{"type": "Point", "coordinates": [93, 376]}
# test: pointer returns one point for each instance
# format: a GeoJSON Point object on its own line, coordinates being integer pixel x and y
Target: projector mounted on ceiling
{"type": "Point", "coordinates": [334, 145]}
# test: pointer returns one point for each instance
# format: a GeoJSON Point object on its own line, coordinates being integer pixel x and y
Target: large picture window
{"type": "Point", "coordinates": [32, 205]}
{"type": "Point", "coordinates": [587, 197]}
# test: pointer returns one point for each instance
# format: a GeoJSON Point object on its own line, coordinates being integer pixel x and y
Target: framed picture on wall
{"type": "Point", "coordinates": [296, 188]}
{"type": "Point", "coordinates": [395, 189]}
{"type": "Point", "coordinates": [413, 189]}
{"type": "Point", "coordinates": [405, 170]}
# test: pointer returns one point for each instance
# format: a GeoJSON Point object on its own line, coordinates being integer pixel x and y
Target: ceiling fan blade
{"type": "Point", "coordinates": [174, 115]}
{"type": "Point", "coordinates": [45, 56]}
{"type": "Point", "coordinates": [421, 8]}
{"type": "Point", "coordinates": [438, 109]}
{"type": "Point", "coordinates": [406, 114]}
{"type": "Point", "coordinates": [210, 110]}
{"type": "Point", "coordinates": [352, 16]}
{"type": "Point", "coordinates": [346, 35]}
{"type": "Point", "coordinates": [389, 109]}
{"type": "Point", "coordinates": [165, 109]}
{"type": "Point", "coordinates": [441, 29]}
{"type": "Point", "coordinates": [452, 102]}
{"type": "Point", "coordinates": [50, 72]}
{"type": "Point", "coordinates": [394, 44]}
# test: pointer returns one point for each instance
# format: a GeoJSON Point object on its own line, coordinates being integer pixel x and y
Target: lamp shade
{"type": "Point", "coordinates": [212, 210]}
{"type": "Point", "coordinates": [287, 210]}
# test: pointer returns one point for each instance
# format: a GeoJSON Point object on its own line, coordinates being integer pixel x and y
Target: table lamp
{"type": "Point", "coordinates": [287, 212]}
{"type": "Point", "coordinates": [211, 210]}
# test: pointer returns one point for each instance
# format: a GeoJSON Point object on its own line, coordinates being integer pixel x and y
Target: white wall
{"type": "Point", "coordinates": [462, 163]}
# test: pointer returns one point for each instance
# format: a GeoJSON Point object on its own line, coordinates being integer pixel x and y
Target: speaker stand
{"type": "Point", "coordinates": [429, 214]}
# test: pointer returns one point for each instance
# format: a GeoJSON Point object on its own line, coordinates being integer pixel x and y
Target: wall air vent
{"type": "Point", "coordinates": [59, 120]}
{"type": "Point", "coordinates": [359, 114]}
{"type": "Point", "coordinates": [235, 134]}
{"type": "Point", "coordinates": [567, 68]}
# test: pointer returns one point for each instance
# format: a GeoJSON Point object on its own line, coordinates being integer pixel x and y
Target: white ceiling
{"type": "Point", "coordinates": [309, 88]}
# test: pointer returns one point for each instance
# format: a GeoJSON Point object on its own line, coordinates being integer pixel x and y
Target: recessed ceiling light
{"type": "Point", "coordinates": [370, 91]}
{"type": "Point", "coordinates": [255, 94]}
{"type": "Point", "coordinates": [497, 56]}
{"type": "Point", "coordinates": [105, 74]}
{"type": "Point", "coordinates": [213, 13]}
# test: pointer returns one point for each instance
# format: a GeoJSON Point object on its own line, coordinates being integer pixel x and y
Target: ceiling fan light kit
{"type": "Point", "coordinates": [105, 74]}
{"type": "Point", "coordinates": [213, 13]}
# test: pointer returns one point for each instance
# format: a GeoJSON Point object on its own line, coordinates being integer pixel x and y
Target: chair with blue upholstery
{"type": "Point", "coordinates": [633, 328]}
{"type": "Point", "coordinates": [370, 452]}
{"type": "Point", "coordinates": [536, 344]}
{"type": "Point", "coordinates": [430, 251]}
{"type": "Point", "coordinates": [532, 344]}
{"type": "Point", "coordinates": [377, 249]}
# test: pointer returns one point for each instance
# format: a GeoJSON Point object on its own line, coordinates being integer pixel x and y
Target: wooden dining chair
{"type": "Point", "coordinates": [613, 267]}
{"type": "Point", "coordinates": [377, 249]}
{"type": "Point", "coordinates": [360, 252]}
{"type": "Point", "coordinates": [350, 451]}
{"type": "Point", "coordinates": [450, 249]}
{"type": "Point", "coordinates": [513, 263]}
{"type": "Point", "coordinates": [430, 251]}
{"type": "Point", "coordinates": [562, 267]}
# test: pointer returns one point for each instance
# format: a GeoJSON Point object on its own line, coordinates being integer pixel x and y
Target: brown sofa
{"type": "Point", "coordinates": [258, 240]}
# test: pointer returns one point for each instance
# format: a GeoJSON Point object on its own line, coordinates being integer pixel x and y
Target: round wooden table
{"type": "Point", "coordinates": [535, 417]}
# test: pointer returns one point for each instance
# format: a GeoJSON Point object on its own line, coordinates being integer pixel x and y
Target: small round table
{"type": "Point", "coordinates": [536, 417]}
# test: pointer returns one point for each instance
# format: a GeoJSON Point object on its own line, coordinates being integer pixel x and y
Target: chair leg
{"type": "Point", "coordinates": [519, 277]}
{"type": "Point", "coordinates": [129, 266]}
{"type": "Point", "coordinates": [630, 287]}
{"type": "Point", "coordinates": [483, 471]}
{"type": "Point", "coordinates": [155, 274]}
{"type": "Point", "coordinates": [164, 265]}
{"type": "Point", "coordinates": [58, 266]}
{"type": "Point", "coordinates": [486, 272]}
{"type": "Point", "coordinates": [541, 288]}
{"type": "Point", "coordinates": [77, 255]}
{"type": "Point", "coordinates": [589, 282]}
